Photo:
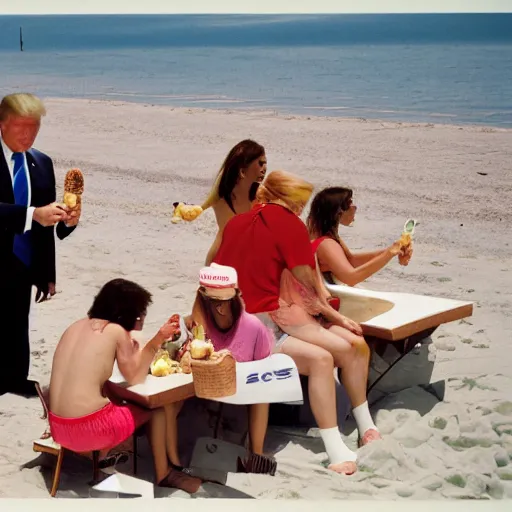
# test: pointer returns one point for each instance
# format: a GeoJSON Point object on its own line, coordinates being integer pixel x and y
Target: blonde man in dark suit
{"type": "Point", "coordinates": [28, 216]}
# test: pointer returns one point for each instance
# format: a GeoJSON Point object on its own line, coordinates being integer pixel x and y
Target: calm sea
{"type": "Point", "coordinates": [454, 68]}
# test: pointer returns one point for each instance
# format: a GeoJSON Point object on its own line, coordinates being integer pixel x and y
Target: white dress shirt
{"type": "Point", "coordinates": [10, 164]}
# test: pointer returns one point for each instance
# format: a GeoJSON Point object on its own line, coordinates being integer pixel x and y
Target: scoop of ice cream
{"type": "Point", "coordinates": [70, 199]}
{"type": "Point", "coordinates": [200, 349]}
{"type": "Point", "coordinates": [160, 368]}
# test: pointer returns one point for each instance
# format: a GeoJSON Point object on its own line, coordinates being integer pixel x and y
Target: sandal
{"type": "Point", "coordinates": [254, 463]}
{"type": "Point", "coordinates": [46, 434]}
{"type": "Point", "coordinates": [204, 474]}
{"type": "Point", "coordinates": [180, 480]}
{"type": "Point", "coordinates": [113, 460]}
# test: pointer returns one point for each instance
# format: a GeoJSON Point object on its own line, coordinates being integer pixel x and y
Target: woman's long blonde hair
{"type": "Point", "coordinates": [286, 187]}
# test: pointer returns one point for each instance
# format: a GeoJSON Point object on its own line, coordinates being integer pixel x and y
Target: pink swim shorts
{"type": "Point", "coordinates": [102, 429]}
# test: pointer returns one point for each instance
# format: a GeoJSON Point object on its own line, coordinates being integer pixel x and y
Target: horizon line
{"type": "Point", "coordinates": [244, 13]}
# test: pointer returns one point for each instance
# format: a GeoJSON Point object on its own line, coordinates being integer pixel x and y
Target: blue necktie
{"type": "Point", "coordinates": [22, 246]}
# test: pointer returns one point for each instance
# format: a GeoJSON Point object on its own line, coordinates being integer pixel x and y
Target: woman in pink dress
{"type": "Point", "coordinates": [219, 309]}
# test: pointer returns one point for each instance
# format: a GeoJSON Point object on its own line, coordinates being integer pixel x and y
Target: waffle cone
{"type": "Point", "coordinates": [74, 182]}
{"type": "Point", "coordinates": [73, 188]}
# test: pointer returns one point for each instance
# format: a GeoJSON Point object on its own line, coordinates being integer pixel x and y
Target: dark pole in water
{"type": "Point", "coordinates": [21, 40]}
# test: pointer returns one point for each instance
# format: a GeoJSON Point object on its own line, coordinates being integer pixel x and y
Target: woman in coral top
{"type": "Point", "coordinates": [270, 249]}
{"type": "Point", "coordinates": [330, 208]}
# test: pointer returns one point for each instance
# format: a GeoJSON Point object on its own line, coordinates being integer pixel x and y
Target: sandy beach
{"type": "Point", "coordinates": [457, 181]}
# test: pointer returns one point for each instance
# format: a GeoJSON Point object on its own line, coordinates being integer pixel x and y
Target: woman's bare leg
{"type": "Point", "coordinates": [171, 417]}
{"type": "Point", "coordinates": [350, 353]}
{"type": "Point", "coordinates": [355, 377]}
{"type": "Point", "coordinates": [355, 364]}
{"type": "Point", "coordinates": [258, 423]}
{"type": "Point", "coordinates": [347, 351]}
{"type": "Point", "coordinates": [164, 474]}
{"type": "Point", "coordinates": [318, 365]}
{"type": "Point", "coordinates": [157, 440]}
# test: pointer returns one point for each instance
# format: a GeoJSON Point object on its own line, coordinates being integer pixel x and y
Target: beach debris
{"type": "Point", "coordinates": [470, 383]}
{"type": "Point", "coordinates": [187, 212]}
{"type": "Point", "coordinates": [438, 422]}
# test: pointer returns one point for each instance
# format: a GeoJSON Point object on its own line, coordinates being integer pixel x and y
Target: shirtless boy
{"type": "Point", "coordinates": [81, 416]}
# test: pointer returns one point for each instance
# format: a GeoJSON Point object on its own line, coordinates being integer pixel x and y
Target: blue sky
{"type": "Point", "coordinates": [247, 6]}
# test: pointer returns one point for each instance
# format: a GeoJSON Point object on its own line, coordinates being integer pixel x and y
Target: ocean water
{"type": "Point", "coordinates": [452, 68]}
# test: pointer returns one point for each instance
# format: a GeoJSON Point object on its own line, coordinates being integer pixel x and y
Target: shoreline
{"type": "Point", "coordinates": [281, 114]}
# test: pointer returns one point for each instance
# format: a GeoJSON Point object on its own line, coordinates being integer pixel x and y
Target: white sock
{"type": "Point", "coordinates": [336, 449]}
{"type": "Point", "coordinates": [363, 418]}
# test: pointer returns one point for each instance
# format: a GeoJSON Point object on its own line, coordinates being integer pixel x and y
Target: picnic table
{"type": "Point", "coordinates": [274, 379]}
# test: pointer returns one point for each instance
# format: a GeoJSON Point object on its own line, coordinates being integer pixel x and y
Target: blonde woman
{"type": "Point", "coordinates": [270, 249]}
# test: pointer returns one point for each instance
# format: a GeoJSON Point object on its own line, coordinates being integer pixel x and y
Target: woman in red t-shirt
{"type": "Point", "coordinates": [330, 208]}
{"type": "Point", "coordinates": [270, 249]}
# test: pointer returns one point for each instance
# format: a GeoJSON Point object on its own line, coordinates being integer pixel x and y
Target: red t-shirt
{"type": "Point", "coordinates": [260, 244]}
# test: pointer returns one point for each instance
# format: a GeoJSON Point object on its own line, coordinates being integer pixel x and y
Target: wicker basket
{"type": "Point", "coordinates": [215, 379]}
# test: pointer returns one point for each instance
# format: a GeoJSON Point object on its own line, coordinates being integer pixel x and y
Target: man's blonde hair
{"type": "Point", "coordinates": [21, 104]}
{"type": "Point", "coordinates": [287, 187]}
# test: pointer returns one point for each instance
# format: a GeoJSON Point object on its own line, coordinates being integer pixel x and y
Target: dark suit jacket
{"type": "Point", "coordinates": [12, 218]}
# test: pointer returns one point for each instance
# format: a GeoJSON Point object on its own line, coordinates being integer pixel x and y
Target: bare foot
{"type": "Point", "coordinates": [369, 436]}
{"type": "Point", "coordinates": [344, 468]}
